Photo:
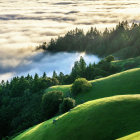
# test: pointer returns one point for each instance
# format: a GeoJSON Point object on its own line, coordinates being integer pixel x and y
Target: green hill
{"type": "Point", "coordinates": [127, 82]}
{"type": "Point", "coordinates": [127, 63]}
{"type": "Point", "coordinates": [103, 119]}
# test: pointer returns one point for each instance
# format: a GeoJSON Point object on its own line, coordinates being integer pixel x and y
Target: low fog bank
{"type": "Point", "coordinates": [31, 22]}
{"type": "Point", "coordinates": [18, 62]}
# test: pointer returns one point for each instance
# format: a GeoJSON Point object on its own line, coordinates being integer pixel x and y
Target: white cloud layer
{"type": "Point", "coordinates": [25, 23]}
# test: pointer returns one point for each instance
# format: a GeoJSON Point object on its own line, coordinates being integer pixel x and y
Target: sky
{"type": "Point", "coordinates": [25, 24]}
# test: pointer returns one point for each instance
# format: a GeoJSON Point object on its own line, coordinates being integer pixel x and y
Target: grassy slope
{"type": "Point", "coordinates": [134, 136]}
{"type": "Point", "coordinates": [128, 63]}
{"type": "Point", "coordinates": [103, 119]}
{"type": "Point", "coordinates": [127, 82]}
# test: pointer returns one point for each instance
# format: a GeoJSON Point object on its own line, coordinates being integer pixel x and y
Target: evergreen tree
{"type": "Point", "coordinates": [44, 75]}
{"type": "Point", "coordinates": [61, 78]}
{"type": "Point", "coordinates": [36, 77]}
{"type": "Point", "coordinates": [54, 74]}
{"type": "Point", "coordinates": [82, 65]}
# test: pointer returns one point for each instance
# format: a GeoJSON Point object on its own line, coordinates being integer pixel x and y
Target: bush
{"type": "Point", "coordinates": [51, 102]}
{"type": "Point", "coordinates": [80, 85]}
{"type": "Point", "coordinates": [110, 58]}
{"type": "Point", "coordinates": [67, 104]}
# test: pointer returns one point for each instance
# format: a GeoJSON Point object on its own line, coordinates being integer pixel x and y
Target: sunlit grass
{"type": "Point", "coordinates": [107, 118]}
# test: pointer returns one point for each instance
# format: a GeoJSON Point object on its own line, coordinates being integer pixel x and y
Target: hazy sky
{"type": "Point", "coordinates": [25, 23]}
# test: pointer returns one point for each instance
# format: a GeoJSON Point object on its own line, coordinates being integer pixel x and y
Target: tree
{"type": "Point", "coordinates": [36, 77]}
{"type": "Point", "coordinates": [75, 73]}
{"type": "Point", "coordinates": [80, 85]}
{"type": "Point", "coordinates": [110, 58]}
{"type": "Point", "coordinates": [54, 74]}
{"type": "Point", "coordinates": [61, 78]}
{"type": "Point", "coordinates": [44, 75]}
{"type": "Point", "coordinates": [67, 104]}
{"type": "Point", "coordinates": [51, 102]}
{"type": "Point", "coordinates": [79, 69]}
{"type": "Point", "coordinates": [29, 77]}
{"type": "Point", "coordinates": [82, 65]}
{"type": "Point", "coordinates": [51, 45]}
{"type": "Point", "coordinates": [90, 72]}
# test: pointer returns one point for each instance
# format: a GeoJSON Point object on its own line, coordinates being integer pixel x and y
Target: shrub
{"type": "Point", "coordinates": [110, 58]}
{"type": "Point", "coordinates": [80, 85]}
{"type": "Point", "coordinates": [51, 102]}
{"type": "Point", "coordinates": [67, 104]}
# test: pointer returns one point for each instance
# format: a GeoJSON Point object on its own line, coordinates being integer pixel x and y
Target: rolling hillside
{"type": "Point", "coordinates": [103, 119]}
{"type": "Point", "coordinates": [106, 118]}
{"type": "Point", "coordinates": [127, 63]}
{"type": "Point", "coordinates": [127, 82]}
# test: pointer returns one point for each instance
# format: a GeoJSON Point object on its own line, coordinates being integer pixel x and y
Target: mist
{"type": "Point", "coordinates": [39, 62]}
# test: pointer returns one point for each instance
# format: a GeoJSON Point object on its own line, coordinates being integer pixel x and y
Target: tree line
{"type": "Point", "coordinates": [122, 41]}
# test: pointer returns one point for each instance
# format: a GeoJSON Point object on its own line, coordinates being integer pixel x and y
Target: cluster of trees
{"type": "Point", "coordinates": [54, 102]}
{"type": "Point", "coordinates": [122, 41]}
{"type": "Point", "coordinates": [93, 71]}
{"type": "Point", "coordinates": [21, 98]}
{"type": "Point", "coordinates": [20, 101]}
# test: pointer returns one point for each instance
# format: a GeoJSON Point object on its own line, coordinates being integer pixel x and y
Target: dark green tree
{"type": "Point", "coordinates": [110, 58]}
{"type": "Point", "coordinates": [51, 102]}
{"type": "Point", "coordinates": [80, 85]}
{"type": "Point", "coordinates": [67, 104]}
{"type": "Point", "coordinates": [54, 74]}
{"type": "Point", "coordinates": [44, 75]}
